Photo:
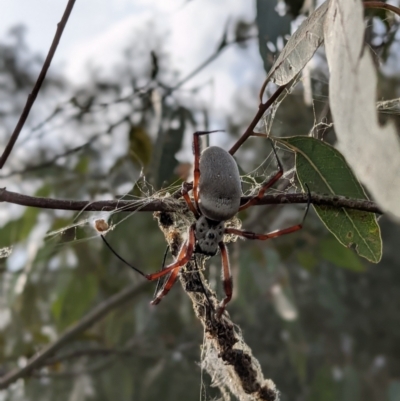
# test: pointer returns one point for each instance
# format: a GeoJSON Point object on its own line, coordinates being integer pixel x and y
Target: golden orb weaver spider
{"type": "Point", "coordinates": [217, 193]}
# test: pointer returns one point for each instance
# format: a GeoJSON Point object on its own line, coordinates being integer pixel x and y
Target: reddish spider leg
{"type": "Point", "coordinates": [185, 194]}
{"type": "Point", "coordinates": [273, 234]}
{"type": "Point", "coordinates": [160, 293]}
{"type": "Point", "coordinates": [227, 277]}
{"type": "Point", "coordinates": [185, 254]}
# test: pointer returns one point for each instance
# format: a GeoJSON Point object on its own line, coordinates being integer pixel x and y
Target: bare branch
{"type": "Point", "coordinates": [98, 313]}
{"type": "Point", "coordinates": [172, 203]}
{"type": "Point", "coordinates": [32, 97]}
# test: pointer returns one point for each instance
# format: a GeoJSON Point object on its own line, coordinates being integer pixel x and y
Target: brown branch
{"type": "Point", "coordinates": [98, 313]}
{"type": "Point", "coordinates": [32, 96]}
{"type": "Point", "coordinates": [379, 4]}
{"type": "Point", "coordinates": [171, 204]}
{"type": "Point", "coordinates": [262, 108]}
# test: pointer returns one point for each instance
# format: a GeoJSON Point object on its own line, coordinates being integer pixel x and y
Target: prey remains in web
{"type": "Point", "coordinates": [215, 202]}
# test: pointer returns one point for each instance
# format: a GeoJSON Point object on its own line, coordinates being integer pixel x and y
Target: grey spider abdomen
{"type": "Point", "coordinates": [220, 187]}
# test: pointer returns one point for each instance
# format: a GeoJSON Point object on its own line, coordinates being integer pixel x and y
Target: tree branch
{"type": "Point", "coordinates": [262, 108]}
{"type": "Point", "coordinates": [380, 4]}
{"type": "Point", "coordinates": [32, 97]}
{"type": "Point", "coordinates": [172, 203]}
{"type": "Point", "coordinates": [98, 313]}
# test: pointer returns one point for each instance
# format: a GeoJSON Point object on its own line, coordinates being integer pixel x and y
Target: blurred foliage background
{"type": "Point", "coordinates": [323, 323]}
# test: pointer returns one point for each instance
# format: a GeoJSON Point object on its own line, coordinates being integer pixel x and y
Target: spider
{"type": "Point", "coordinates": [217, 193]}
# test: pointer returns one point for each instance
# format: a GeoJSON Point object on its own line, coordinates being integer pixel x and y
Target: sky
{"type": "Point", "coordinates": [97, 32]}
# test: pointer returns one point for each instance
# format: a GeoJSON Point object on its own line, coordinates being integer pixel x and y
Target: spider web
{"type": "Point", "coordinates": [88, 224]}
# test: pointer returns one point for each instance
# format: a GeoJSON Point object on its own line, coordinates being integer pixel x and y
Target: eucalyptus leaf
{"type": "Point", "coordinates": [371, 150]}
{"type": "Point", "coordinates": [140, 146]}
{"type": "Point", "coordinates": [332, 251]}
{"type": "Point", "coordinates": [300, 47]}
{"type": "Point", "coordinates": [172, 142]}
{"type": "Point", "coordinates": [325, 171]}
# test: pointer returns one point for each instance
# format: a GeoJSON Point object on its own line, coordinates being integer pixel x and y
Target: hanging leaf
{"type": "Point", "coordinates": [140, 146]}
{"type": "Point", "coordinates": [172, 142]}
{"type": "Point", "coordinates": [300, 48]}
{"type": "Point", "coordinates": [325, 171]}
{"type": "Point", "coordinates": [371, 150]}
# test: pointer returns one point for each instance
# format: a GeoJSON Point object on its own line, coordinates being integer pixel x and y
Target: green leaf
{"type": "Point", "coordinates": [140, 146]}
{"type": "Point", "coordinates": [82, 167]}
{"type": "Point", "coordinates": [18, 230]}
{"type": "Point", "coordinates": [333, 252]}
{"type": "Point", "coordinates": [307, 260]}
{"type": "Point", "coordinates": [325, 170]}
{"type": "Point", "coordinates": [75, 298]}
{"type": "Point", "coordinates": [172, 142]}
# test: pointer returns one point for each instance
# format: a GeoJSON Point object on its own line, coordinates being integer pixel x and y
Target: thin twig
{"type": "Point", "coordinates": [172, 204]}
{"type": "Point", "coordinates": [32, 97]}
{"type": "Point", "coordinates": [92, 317]}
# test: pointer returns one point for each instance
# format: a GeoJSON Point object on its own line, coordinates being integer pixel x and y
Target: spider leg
{"type": "Point", "coordinates": [202, 286]}
{"type": "Point", "coordinates": [185, 194]}
{"type": "Point", "coordinates": [227, 279]}
{"type": "Point", "coordinates": [196, 168]}
{"type": "Point", "coordinates": [120, 257]}
{"type": "Point", "coordinates": [158, 286]}
{"type": "Point", "coordinates": [167, 286]}
{"type": "Point", "coordinates": [266, 184]}
{"type": "Point", "coordinates": [273, 234]}
{"type": "Point", "coordinates": [184, 256]}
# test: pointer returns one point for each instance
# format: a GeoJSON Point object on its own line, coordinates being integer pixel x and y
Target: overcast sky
{"type": "Point", "coordinates": [98, 31]}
